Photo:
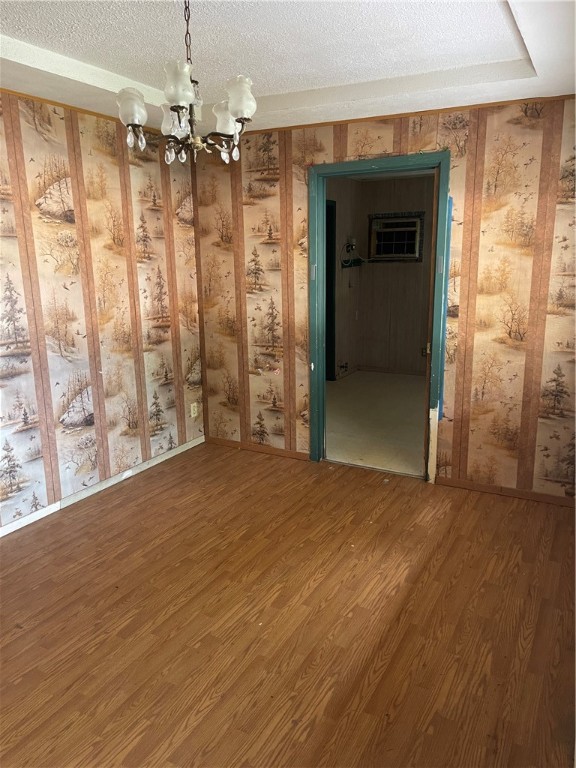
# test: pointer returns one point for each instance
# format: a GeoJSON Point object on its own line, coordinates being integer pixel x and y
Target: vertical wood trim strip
{"type": "Point", "coordinates": [200, 291]}
{"type": "Point", "coordinates": [541, 267]}
{"type": "Point", "coordinates": [132, 273]}
{"type": "Point", "coordinates": [32, 301]}
{"type": "Point", "coordinates": [468, 284]}
{"type": "Point", "coordinates": [397, 137]}
{"type": "Point", "coordinates": [240, 298]}
{"type": "Point", "coordinates": [88, 291]}
{"type": "Point", "coordinates": [343, 143]}
{"type": "Point", "coordinates": [287, 300]}
{"type": "Point", "coordinates": [337, 148]}
{"type": "Point", "coordinates": [289, 207]}
{"type": "Point", "coordinates": [404, 135]}
{"type": "Point", "coordinates": [173, 298]}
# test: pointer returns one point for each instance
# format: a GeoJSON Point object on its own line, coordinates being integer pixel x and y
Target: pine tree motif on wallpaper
{"type": "Point", "coordinates": [61, 273]}
{"type": "Point", "coordinates": [101, 251]}
{"type": "Point", "coordinates": [219, 298]}
{"type": "Point", "coordinates": [554, 464]}
{"type": "Point", "coordinates": [264, 299]}
{"type": "Point", "coordinates": [103, 357]}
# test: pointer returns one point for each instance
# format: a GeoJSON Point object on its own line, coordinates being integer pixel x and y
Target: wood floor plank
{"type": "Point", "coordinates": [231, 609]}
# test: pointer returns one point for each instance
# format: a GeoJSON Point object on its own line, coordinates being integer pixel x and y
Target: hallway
{"type": "Point", "coordinates": [377, 420]}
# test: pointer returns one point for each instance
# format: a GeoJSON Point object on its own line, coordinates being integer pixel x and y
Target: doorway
{"type": "Point", "coordinates": [376, 253]}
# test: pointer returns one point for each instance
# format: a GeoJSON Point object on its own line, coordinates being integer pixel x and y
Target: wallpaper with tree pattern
{"type": "Point", "coordinates": [110, 258]}
{"type": "Point", "coordinates": [509, 368]}
{"type": "Point", "coordinates": [99, 335]}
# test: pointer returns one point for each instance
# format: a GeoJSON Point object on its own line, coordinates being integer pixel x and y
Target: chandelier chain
{"type": "Point", "coordinates": [187, 36]}
{"type": "Point", "coordinates": [180, 116]}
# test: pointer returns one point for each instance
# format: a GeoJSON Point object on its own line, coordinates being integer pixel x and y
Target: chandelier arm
{"type": "Point", "coordinates": [227, 136]}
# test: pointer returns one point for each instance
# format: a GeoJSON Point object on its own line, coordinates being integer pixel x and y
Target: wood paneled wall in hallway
{"type": "Point", "coordinates": [509, 377]}
{"type": "Point", "coordinates": [99, 337]}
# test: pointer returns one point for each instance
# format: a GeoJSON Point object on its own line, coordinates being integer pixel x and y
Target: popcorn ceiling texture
{"type": "Point", "coordinates": [312, 44]}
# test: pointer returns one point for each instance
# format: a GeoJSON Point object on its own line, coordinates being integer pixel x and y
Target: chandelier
{"type": "Point", "coordinates": [182, 111]}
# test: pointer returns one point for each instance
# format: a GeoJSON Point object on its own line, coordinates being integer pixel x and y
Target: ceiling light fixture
{"type": "Point", "coordinates": [183, 111]}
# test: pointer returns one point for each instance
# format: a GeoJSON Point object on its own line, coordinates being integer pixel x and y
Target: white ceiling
{"type": "Point", "coordinates": [311, 61]}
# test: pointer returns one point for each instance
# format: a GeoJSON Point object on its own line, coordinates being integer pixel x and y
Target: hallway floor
{"type": "Point", "coordinates": [377, 420]}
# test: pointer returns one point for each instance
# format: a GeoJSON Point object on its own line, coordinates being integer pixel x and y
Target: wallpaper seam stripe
{"type": "Point", "coordinates": [132, 274]}
{"type": "Point", "coordinates": [404, 135]}
{"type": "Point", "coordinates": [200, 293]}
{"type": "Point", "coordinates": [288, 207]}
{"type": "Point", "coordinates": [543, 251]}
{"type": "Point", "coordinates": [31, 285]}
{"type": "Point", "coordinates": [284, 263]}
{"type": "Point", "coordinates": [173, 299]}
{"type": "Point", "coordinates": [240, 298]}
{"type": "Point", "coordinates": [343, 142]}
{"type": "Point", "coordinates": [87, 284]}
{"type": "Point", "coordinates": [465, 284]}
{"type": "Point", "coordinates": [397, 136]}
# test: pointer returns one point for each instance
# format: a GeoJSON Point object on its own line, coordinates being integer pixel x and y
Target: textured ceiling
{"type": "Point", "coordinates": [309, 60]}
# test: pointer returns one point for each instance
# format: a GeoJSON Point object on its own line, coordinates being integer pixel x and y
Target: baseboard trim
{"type": "Point", "coordinates": [546, 498]}
{"type": "Point", "coordinates": [258, 448]}
{"type": "Point", "coordinates": [96, 488]}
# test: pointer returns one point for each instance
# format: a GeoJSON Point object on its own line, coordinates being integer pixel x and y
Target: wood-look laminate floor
{"type": "Point", "coordinates": [230, 608]}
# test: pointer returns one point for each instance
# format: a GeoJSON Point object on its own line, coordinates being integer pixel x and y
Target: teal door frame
{"type": "Point", "coordinates": [384, 166]}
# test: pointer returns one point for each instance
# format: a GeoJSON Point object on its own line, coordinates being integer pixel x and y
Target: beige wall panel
{"type": "Point", "coordinates": [264, 301]}
{"type": "Point", "coordinates": [66, 317]}
{"type": "Point", "coordinates": [182, 214]}
{"type": "Point", "coordinates": [110, 254]}
{"type": "Point", "coordinates": [23, 471]}
{"type": "Point", "coordinates": [221, 329]}
{"type": "Point", "coordinates": [554, 458]}
{"type": "Point", "coordinates": [512, 166]}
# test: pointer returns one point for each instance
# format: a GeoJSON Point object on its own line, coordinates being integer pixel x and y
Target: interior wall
{"type": "Point", "coordinates": [72, 351]}
{"type": "Point", "coordinates": [509, 376]}
{"type": "Point", "coordinates": [99, 340]}
{"type": "Point", "coordinates": [395, 296]}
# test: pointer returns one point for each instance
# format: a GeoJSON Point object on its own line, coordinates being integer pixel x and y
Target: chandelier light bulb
{"type": "Point", "coordinates": [241, 103]}
{"type": "Point", "coordinates": [179, 87]}
{"type": "Point", "coordinates": [225, 123]}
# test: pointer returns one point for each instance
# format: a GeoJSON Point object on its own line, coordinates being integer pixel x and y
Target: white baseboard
{"type": "Point", "coordinates": [66, 502]}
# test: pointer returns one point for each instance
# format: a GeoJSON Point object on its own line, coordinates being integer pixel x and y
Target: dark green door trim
{"type": "Point", "coordinates": [317, 276]}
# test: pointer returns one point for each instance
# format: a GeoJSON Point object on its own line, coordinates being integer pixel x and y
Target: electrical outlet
{"type": "Point", "coordinates": [193, 410]}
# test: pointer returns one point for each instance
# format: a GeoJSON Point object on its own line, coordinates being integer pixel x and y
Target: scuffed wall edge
{"type": "Point", "coordinates": [69, 500]}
